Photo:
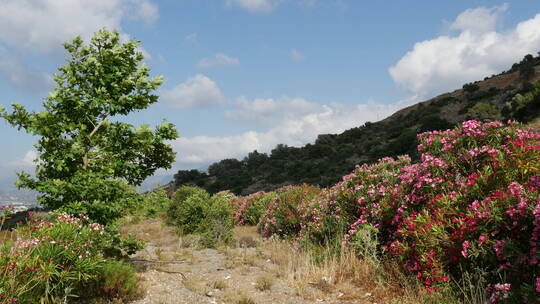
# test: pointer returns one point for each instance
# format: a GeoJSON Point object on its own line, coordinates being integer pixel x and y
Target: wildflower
{"type": "Point", "coordinates": [464, 252]}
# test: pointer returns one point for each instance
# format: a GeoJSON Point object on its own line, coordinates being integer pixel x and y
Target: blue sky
{"type": "Point", "coordinates": [249, 74]}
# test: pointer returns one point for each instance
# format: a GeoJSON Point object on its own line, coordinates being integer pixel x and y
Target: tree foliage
{"type": "Point", "coordinates": [87, 155]}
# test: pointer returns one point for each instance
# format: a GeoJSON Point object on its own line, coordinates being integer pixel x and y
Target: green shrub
{"type": "Point", "coordinates": [154, 202]}
{"type": "Point", "coordinates": [193, 211]}
{"type": "Point", "coordinates": [187, 208]}
{"type": "Point", "coordinates": [52, 262]}
{"type": "Point", "coordinates": [118, 281]}
{"type": "Point", "coordinates": [484, 111]}
{"type": "Point", "coordinates": [217, 223]}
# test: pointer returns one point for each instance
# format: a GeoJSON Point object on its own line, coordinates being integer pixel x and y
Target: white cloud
{"type": "Point", "coordinates": [15, 72]}
{"type": "Point", "coordinates": [295, 125]}
{"type": "Point", "coordinates": [146, 10]}
{"type": "Point", "coordinates": [41, 26]}
{"type": "Point", "coordinates": [27, 162]}
{"type": "Point", "coordinates": [272, 111]}
{"type": "Point", "coordinates": [196, 92]}
{"type": "Point", "coordinates": [255, 5]}
{"type": "Point", "coordinates": [478, 50]}
{"type": "Point", "coordinates": [217, 60]}
{"type": "Point", "coordinates": [479, 20]}
{"type": "Point", "coordinates": [297, 56]}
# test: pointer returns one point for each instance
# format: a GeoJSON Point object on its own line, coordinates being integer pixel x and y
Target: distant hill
{"type": "Point", "coordinates": [513, 94]}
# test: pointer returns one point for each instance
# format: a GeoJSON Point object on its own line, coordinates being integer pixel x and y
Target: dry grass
{"type": "Point", "coordinates": [246, 231]}
{"type": "Point", "coordinates": [264, 282]}
{"type": "Point", "coordinates": [344, 274]}
{"type": "Point", "coordinates": [219, 284]}
{"type": "Point", "coordinates": [149, 230]}
{"type": "Point", "coordinates": [195, 285]}
{"type": "Point", "coordinates": [7, 236]}
{"type": "Point", "coordinates": [244, 299]}
{"type": "Point", "coordinates": [535, 125]}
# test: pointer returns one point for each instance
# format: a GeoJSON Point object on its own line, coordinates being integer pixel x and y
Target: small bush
{"type": "Point", "coordinates": [243, 299]}
{"type": "Point", "coordinates": [118, 281]}
{"type": "Point", "coordinates": [249, 209]}
{"type": "Point", "coordinates": [264, 283]}
{"type": "Point", "coordinates": [217, 223]}
{"type": "Point", "coordinates": [154, 203]}
{"type": "Point", "coordinates": [55, 261]}
{"type": "Point", "coordinates": [192, 210]}
{"type": "Point", "coordinates": [187, 209]}
{"type": "Point", "coordinates": [282, 216]}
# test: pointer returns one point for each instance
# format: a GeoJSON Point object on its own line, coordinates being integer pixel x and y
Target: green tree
{"type": "Point", "coordinates": [89, 158]}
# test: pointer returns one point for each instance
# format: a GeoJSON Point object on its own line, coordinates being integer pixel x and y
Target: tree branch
{"type": "Point", "coordinates": [96, 128]}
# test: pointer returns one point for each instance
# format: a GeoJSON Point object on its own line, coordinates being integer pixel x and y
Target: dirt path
{"type": "Point", "coordinates": [256, 271]}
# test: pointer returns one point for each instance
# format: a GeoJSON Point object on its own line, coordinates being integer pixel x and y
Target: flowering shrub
{"type": "Point", "coordinates": [52, 261]}
{"type": "Point", "coordinates": [249, 209]}
{"type": "Point", "coordinates": [329, 215]}
{"type": "Point", "coordinates": [282, 216]}
{"type": "Point", "coordinates": [471, 202]}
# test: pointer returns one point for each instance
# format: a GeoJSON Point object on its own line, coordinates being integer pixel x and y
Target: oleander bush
{"type": "Point", "coordinates": [249, 209]}
{"type": "Point", "coordinates": [282, 216]}
{"type": "Point", "coordinates": [57, 261]}
{"type": "Point", "coordinates": [470, 206]}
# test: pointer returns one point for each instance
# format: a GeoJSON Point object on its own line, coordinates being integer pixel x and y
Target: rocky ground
{"type": "Point", "coordinates": [252, 271]}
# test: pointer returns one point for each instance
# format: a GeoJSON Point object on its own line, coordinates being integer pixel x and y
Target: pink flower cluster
{"type": "Point", "coordinates": [472, 199]}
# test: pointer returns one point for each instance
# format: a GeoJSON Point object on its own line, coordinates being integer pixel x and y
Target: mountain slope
{"type": "Point", "coordinates": [514, 94]}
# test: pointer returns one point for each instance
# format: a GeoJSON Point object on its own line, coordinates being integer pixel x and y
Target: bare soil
{"type": "Point", "coordinates": [173, 270]}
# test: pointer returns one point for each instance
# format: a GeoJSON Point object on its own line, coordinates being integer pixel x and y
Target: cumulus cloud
{"type": "Point", "coordinates": [477, 50]}
{"type": "Point", "coordinates": [297, 56]}
{"type": "Point", "coordinates": [295, 122]}
{"type": "Point", "coordinates": [255, 6]}
{"type": "Point", "coordinates": [196, 92]}
{"type": "Point", "coordinates": [218, 60]}
{"type": "Point", "coordinates": [41, 26]}
{"type": "Point", "coordinates": [479, 20]}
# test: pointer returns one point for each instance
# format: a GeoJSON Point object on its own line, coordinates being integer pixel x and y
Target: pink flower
{"type": "Point", "coordinates": [464, 252]}
{"type": "Point", "coordinates": [499, 246]}
{"type": "Point", "coordinates": [482, 239]}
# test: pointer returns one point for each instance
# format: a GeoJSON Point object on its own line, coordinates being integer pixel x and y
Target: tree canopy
{"type": "Point", "coordinates": [88, 156]}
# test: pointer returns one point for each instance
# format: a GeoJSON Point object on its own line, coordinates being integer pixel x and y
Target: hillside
{"type": "Point", "coordinates": [513, 94]}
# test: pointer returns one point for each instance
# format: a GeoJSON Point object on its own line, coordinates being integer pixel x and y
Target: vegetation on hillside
{"type": "Point", "coordinates": [510, 95]}
{"type": "Point", "coordinates": [469, 208]}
